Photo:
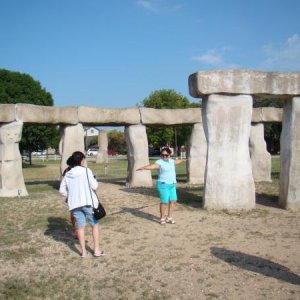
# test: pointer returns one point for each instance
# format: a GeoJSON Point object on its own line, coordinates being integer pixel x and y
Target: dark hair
{"type": "Point", "coordinates": [77, 157]}
{"type": "Point", "coordinates": [70, 162]}
{"type": "Point", "coordinates": [167, 149]}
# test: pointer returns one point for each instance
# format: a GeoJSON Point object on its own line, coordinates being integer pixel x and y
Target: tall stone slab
{"type": "Point", "coordinates": [137, 155]}
{"type": "Point", "coordinates": [229, 182]}
{"type": "Point", "coordinates": [102, 156]}
{"type": "Point", "coordinates": [197, 154]}
{"type": "Point", "coordinates": [11, 175]}
{"type": "Point", "coordinates": [289, 187]}
{"type": "Point", "coordinates": [72, 139]}
{"type": "Point", "coordinates": [260, 158]}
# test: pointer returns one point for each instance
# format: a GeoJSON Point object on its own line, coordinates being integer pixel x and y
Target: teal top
{"type": "Point", "coordinates": [167, 172]}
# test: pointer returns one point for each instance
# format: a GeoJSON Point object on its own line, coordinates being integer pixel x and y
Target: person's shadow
{"type": "Point", "coordinates": [137, 212]}
{"type": "Point", "coordinates": [61, 231]}
{"type": "Point", "coordinates": [256, 264]}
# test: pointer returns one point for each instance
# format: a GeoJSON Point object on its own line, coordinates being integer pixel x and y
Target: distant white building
{"type": "Point", "coordinates": [89, 134]}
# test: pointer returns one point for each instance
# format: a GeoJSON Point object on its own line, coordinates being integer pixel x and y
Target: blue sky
{"type": "Point", "coordinates": [114, 53]}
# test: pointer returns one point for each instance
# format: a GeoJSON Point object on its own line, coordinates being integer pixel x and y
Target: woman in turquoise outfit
{"type": "Point", "coordinates": [166, 184]}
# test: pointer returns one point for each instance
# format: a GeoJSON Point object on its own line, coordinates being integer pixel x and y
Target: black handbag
{"type": "Point", "coordinates": [98, 212]}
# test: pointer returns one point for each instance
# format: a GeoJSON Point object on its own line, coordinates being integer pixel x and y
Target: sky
{"type": "Point", "coordinates": [115, 53]}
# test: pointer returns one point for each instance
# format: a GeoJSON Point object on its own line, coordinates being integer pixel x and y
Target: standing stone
{"type": "Point", "coordinates": [228, 179]}
{"type": "Point", "coordinates": [72, 139]}
{"type": "Point", "coordinates": [102, 155]}
{"type": "Point", "coordinates": [196, 161]}
{"type": "Point", "coordinates": [260, 158]}
{"type": "Point", "coordinates": [11, 176]}
{"type": "Point", "coordinates": [137, 155]}
{"type": "Point", "coordinates": [289, 188]}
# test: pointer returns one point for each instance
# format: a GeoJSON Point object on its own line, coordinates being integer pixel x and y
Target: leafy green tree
{"type": "Point", "coordinates": [16, 87]}
{"type": "Point", "coordinates": [272, 131]}
{"type": "Point", "coordinates": [159, 136]}
{"type": "Point", "coordinates": [116, 141]}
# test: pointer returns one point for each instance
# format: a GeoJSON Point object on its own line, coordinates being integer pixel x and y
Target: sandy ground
{"type": "Point", "coordinates": [205, 255]}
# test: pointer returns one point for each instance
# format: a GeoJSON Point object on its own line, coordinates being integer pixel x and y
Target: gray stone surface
{"type": "Point", "coordinates": [7, 113]}
{"type": "Point", "coordinates": [102, 156]}
{"type": "Point", "coordinates": [260, 157]}
{"type": "Point", "coordinates": [72, 139]}
{"type": "Point", "coordinates": [137, 155]}
{"type": "Point", "coordinates": [102, 116]}
{"type": "Point", "coordinates": [38, 114]}
{"type": "Point", "coordinates": [229, 182]}
{"type": "Point", "coordinates": [197, 154]}
{"type": "Point", "coordinates": [289, 187]}
{"type": "Point", "coordinates": [187, 116]}
{"type": "Point", "coordinates": [11, 176]}
{"type": "Point", "coordinates": [249, 82]}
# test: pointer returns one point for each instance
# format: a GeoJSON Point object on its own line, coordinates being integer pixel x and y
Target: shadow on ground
{"type": "Point", "coordinates": [137, 212]}
{"type": "Point", "coordinates": [256, 264]}
{"type": "Point", "coordinates": [61, 231]}
{"type": "Point", "coordinates": [267, 200]}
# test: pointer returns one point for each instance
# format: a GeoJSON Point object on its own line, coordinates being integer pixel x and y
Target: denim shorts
{"type": "Point", "coordinates": [167, 192]}
{"type": "Point", "coordinates": [83, 214]}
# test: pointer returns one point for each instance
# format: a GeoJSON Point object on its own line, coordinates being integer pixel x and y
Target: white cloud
{"type": "Point", "coordinates": [286, 57]}
{"type": "Point", "coordinates": [159, 5]}
{"type": "Point", "coordinates": [214, 58]}
{"type": "Point", "coordinates": [148, 5]}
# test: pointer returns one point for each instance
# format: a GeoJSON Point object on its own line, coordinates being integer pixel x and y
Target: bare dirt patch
{"type": "Point", "coordinates": [205, 255]}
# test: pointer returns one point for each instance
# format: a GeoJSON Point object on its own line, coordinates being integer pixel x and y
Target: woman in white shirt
{"type": "Point", "coordinates": [79, 186]}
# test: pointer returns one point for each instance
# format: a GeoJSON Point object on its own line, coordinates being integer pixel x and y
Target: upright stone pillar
{"type": "Point", "coordinates": [228, 179]}
{"type": "Point", "coordinates": [102, 155]}
{"type": "Point", "coordinates": [289, 188]}
{"type": "Point", "coordinates": [137, 155]}
{"type": "Point", "coordinates": [11, 175]}
{"type": "Point", "coordinates": [196, 161]}
{"type": "Point", "coordinates": [260, 157]}
{"type": "Point", "coordinates": [72, 139]}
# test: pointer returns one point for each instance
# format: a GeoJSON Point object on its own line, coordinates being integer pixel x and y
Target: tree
{"type": "Point", "coordinates": [116, 141]}
{"type": "Point", "coordinates": [175, 136]}
{"type": "Point", "coordinates": [16, 87]}
{"type": "Point", "coordinates": [272, 131]}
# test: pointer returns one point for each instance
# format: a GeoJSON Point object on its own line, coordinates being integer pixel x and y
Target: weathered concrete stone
{"type": "Point", "coordinates": [187, 116]}
{"type": "Point", "coordinates": [11, 176]}
{"type": "Point", "coordinates": [244, 82]}
{"type": "Point", "coordinates": [72, 139]}
{"type": "Point", "coordinates": [289, 187]}
{"type": "Point", "coordinates": [102, 156]}
{"type": "Point", "coordinates": [7, 113]}
{"type": "Point", "coordinates": [102, 116]}
{"type": "Point", "coordinates": [38, 114]}
{"type": "Point", "coordinates": [272, 114]}
{"type": "Point", "coordinates": [260, 157]}
{"type": "Point", "coordinates": [197, 154]}
{"type": "Point", "coordinates": [137, 155]}
{"type": "Point", "coordinates": [229, 182]}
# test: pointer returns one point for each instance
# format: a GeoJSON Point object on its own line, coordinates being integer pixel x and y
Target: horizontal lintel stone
{"type": "Point", "coordinates": [250, 82]}
{"type": "Point", "coordinates": [7, 113]}
{"type": "Point", "coordinates": [152, 116]}
{"type": "Point", "coordinates": [108, 116]}
{"type": "Point", "coordinates": [38, 114]}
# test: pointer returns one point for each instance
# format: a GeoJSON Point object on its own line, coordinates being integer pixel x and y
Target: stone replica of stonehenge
{"type": "Point", "coordinates": [227, 151]}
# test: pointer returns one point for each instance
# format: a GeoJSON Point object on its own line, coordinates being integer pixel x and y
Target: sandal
{"type": "Point", "coordinates": [98, 254]}
{"type": "Point", "coordinates": [162, 221]}
{"type": "Point", "coordinates": [170, 220]}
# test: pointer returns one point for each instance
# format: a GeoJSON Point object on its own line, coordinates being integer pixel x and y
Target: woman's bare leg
{"type": "Point", "coordinates": [81, 238]}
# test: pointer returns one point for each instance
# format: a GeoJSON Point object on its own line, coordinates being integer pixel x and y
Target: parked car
{"type": "Point", "coordinates": [112, 152]}
{"type": "Point", "coordinates": [39, 153]}
{"type": "Point", "coordinates": [92, 151]}
{"type": "Point", "coordinates": [153, 152]}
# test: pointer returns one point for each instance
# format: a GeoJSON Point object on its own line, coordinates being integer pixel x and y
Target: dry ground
{"type": "Point", "coordinates": [205, 255]}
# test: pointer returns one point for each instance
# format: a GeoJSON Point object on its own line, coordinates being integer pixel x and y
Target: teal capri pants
{"type": "Point", "coordinates": [167, 192]}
